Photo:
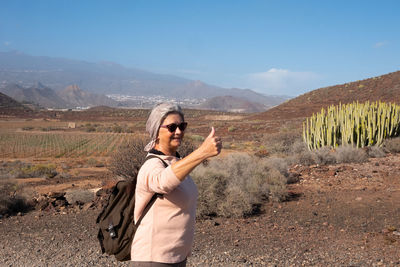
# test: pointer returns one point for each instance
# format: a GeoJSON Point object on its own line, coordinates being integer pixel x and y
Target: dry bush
{"type": "Point", "coordinates": [19, 169]}
{"type": "Point", "coordinates": [281, 143]}
{"type": "Point", "coordinates": [349, 154]}
{"type": "Point", "coordinates": [40, 170]}
{"type": "Point", "coordinates": [186, 147]}
{"type": "Point", "coordinates": [301, 155]}
{"type": "Point", "coordinates": [10, 202]}
{"type": "Point", "coordinates": [392, 145]}
{"type": "Point", "coordinates": [237, 185]}
{"type": "Point", "coordinates": [325, 156]}
{"type": "Point", "coordinates": [375, 152]}
{"type": "Point", "coordinates": [128, 158]}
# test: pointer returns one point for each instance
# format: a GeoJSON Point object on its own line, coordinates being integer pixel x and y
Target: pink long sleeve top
{"type": "Point", "coordinates": [166, 232]}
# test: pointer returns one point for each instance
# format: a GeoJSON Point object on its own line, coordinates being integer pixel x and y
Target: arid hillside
{"type": "Point", "coordinates": [10, 106]}
{"type": "Point", "coordinates": [385, 88]}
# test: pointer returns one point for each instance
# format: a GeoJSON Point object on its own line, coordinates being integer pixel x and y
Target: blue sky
{"type": "Point", "coordinates": [273, 47]}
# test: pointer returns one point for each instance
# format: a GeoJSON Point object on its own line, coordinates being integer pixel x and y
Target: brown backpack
{"type": "Point", "coordinates": [116, 227]}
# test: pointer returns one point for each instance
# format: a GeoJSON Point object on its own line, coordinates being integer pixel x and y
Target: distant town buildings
{"type": "Point", "coordinates": [150, 101]}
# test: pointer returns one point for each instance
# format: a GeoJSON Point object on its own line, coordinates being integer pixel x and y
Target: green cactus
{"type": "Point", "coordinates": [358, 124]}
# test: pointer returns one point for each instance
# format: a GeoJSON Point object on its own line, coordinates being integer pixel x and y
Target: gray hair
{"type": "Point", "coordinates": [156, 117]}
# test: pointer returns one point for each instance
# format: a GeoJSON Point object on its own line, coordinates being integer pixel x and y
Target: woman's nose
{"type": "Point", "coordinates": [178, 131]}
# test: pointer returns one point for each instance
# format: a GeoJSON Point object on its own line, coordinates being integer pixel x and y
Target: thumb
{"type": "Point", "coordinates": [212, 133]}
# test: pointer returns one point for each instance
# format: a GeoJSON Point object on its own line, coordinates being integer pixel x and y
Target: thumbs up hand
{"type": "Point", "coordinates": [212, 145]}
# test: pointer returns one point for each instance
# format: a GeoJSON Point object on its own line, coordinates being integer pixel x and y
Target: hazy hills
{"type": "Point", "coordinates": [70, 97]}
{"type": "Point", "coordinates": [8, 102]}
{"type": "Point", "coordinates": [385, 88]}
{"type": "Point", "coordinates": [232, 104]}
{"type": "Point", "coordinates": [111, 78]}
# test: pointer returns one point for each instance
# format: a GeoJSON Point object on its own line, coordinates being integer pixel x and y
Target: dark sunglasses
{"type": "Point", "coordinates": [172, 127]}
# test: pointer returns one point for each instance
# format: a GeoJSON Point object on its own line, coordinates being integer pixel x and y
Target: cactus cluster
{"type": "Point", "coordinates": [357, 124]}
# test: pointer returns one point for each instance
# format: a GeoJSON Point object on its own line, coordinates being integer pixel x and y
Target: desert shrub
{"type": "Point", "coordinates": [10, 202]}
{"type": "Point", "coordinates": [236, 185]}
{"type": "Point", "coordinates": [40, 170]}
{"type": "Point", "coordinates": [281, 143]}
{"type": "Point", "coordinates": [300, 154]}
{"type": "Point", "coordinates": [375, 152]}
{"type": "Point", "coordinates": [51, 128]}
{"type": "Point", "coordinates": [117, 129]}
{"type": "Point", "coordinates": [18, 169]}
{"type": "Point", "coordinates": [232, 129]}
{"type": "Point", "coordinates": [186, 147]}
{"type": "Point", "coordinates": [195, 137]}
{"type": "Point", "coordinates": [324, 156]}
{"type": "Point", "coordinates": [349, 154]}
{"type": "Point", "coordinates": [392, 145]}
{"type": "Point", "coordinates": [27, 128]}
{"type": "Point", "coordinates": [90, 128]}
{"type": "Point", "coordinates": [128, 158]}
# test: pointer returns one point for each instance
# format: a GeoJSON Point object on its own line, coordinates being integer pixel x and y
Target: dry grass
{"type": "Point", "coordinates": [375, 152]}
{"type": "Point", "coordinates": [326, 155]}
{"type": "Point", "coordinates": [237, 185]}
{"type": "Point", "coordinates": [349, 154]}
{"type": "Point", "coordinates": [19, 169]}
{"type": "Point", "coordinates": [392, 145]}
{"type": "Point", "coordinates": [281, 144]}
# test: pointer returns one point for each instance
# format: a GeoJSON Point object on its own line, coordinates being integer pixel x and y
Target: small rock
{"type": "Point", "coordinates": [396, 233]}
{"type": "Point", "coordinates": [87, 206]}
{"type": "Point", "coordinates": [358, 198]}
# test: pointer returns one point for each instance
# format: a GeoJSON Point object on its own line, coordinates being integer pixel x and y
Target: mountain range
{"type": "Point", "coordinates": [70, 97]}
{"type": "Point", "coordinates": [111, 78]}
{"type": "Point", "coordinates": [381, 88]}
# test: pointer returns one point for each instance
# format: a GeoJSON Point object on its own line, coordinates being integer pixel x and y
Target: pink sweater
{"type": "Point", "coordinates": [166, 232]}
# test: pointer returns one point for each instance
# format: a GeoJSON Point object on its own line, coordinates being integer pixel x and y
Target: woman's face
{"type": "Point", "coordinates": [167, 141]}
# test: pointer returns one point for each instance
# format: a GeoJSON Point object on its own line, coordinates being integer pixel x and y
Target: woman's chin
{"type": "Point", "coordinates": [176, 143]}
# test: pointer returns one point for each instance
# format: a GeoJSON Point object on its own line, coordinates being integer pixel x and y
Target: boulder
{"type": "Point", "coordinates": [79, 196]}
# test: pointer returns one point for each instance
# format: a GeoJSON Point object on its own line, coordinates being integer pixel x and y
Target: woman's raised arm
{"type": "Point", "coordinates": [211, 147]}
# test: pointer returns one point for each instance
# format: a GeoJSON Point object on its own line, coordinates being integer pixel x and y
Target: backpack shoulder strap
{"type": "Point", "coordinates": [155, 196]}
{"type": "Point", "coordinates": [154, 156]}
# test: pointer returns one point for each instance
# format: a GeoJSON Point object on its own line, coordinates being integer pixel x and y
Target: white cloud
{"type": "Point", "coordinates": [380, 44]}
{"type": "Point", "coordinates": [283, 81]}
{"type": "Point", "coordinates": [7, 43]}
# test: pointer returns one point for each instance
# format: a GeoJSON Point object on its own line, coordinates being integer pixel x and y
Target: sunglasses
{"type": "Point", "coordinates": [172, 127]}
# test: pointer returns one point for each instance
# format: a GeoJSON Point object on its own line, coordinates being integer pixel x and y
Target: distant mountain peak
{"type": "Point", "coordinates": [39, 85]}
{"type": "Point", "coordinates": [72, 88]}
{"type": "Point", "coordinates": [198, 83]}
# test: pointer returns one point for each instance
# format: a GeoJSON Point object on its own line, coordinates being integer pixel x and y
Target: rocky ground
{"type": "Point", "coordinates": [337, 215]}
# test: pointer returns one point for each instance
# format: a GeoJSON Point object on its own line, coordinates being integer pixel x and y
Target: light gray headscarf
{"type": "Point", "coordinates": [157, 115]}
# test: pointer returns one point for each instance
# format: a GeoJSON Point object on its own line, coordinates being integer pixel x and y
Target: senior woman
{"type": "Point", "coordinates": [165, 233]}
